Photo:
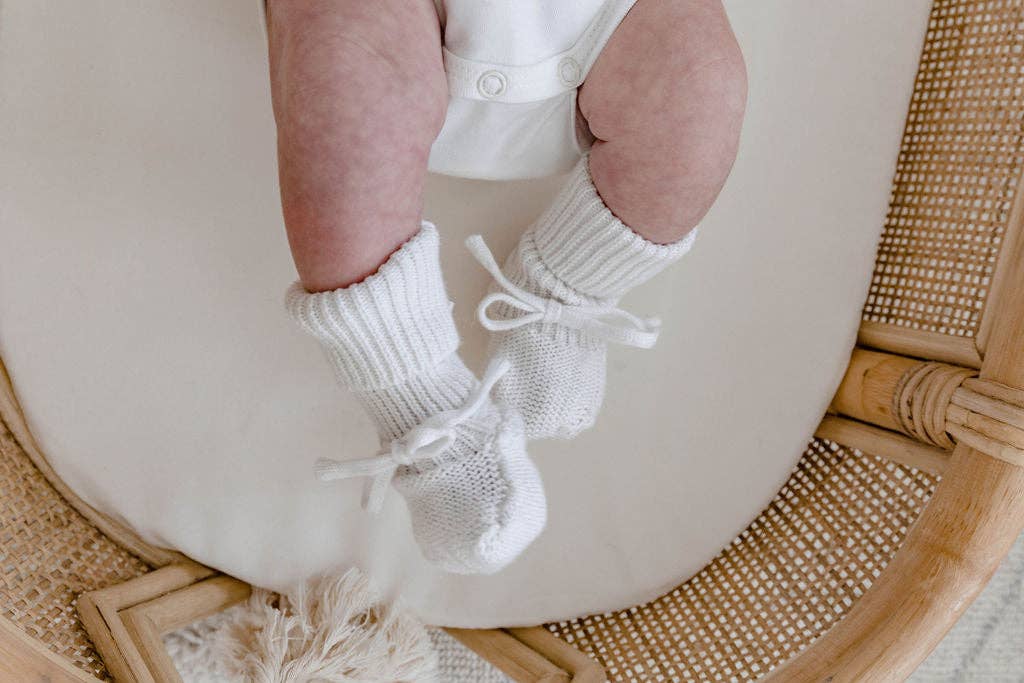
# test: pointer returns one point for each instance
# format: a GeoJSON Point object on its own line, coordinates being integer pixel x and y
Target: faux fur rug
{"type": "Point", "coordinates": [386, 644]}
{"type": "Point", "coordinates": [332, 630]}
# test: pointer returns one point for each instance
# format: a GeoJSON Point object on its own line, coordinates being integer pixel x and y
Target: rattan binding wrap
{"type": "Point", "coordinates": [921, 398]}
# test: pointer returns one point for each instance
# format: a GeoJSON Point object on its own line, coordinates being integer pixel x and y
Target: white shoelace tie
{"type": "Point", "coordinates": [604, 322]}
{"type": "Point", "coordinates": [423, 443]}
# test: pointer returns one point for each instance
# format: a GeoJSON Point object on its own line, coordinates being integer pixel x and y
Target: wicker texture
{"type": "Point", "coordinates": [51, 554]}
{"type": "Point", "coordinates": [958, 168]}
{"type": "Point", "coordinates": [789, 576]}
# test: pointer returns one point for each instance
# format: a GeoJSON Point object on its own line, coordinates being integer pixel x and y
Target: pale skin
{"type": "Point", "coordinates": [360, 94]}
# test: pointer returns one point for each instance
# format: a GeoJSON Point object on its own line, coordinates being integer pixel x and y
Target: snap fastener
{"type": "Point", "coordinates": [569, 71]}
{"type": "Point", "coordinates": [492, 84]}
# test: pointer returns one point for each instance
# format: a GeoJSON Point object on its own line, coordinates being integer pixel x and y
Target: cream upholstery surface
{"type": "Point", "coordinates": [144, 262]}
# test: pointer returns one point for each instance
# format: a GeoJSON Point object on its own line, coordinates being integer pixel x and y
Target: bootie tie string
{"type": "Point", "coordinates": [607, 323]}
{"type": "Point", "coordinates": [424, 443]}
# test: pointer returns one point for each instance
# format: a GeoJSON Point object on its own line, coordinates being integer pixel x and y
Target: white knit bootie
{"type": "Point", "coordinates": [459, 459]}
{"type": "Point", "coordinates": [553, 306]}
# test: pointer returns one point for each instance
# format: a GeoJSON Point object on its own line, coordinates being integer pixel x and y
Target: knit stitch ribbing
{"type": "Point", "coordinates": [394, 325]}
{"type": "Point", "coordinates": [587, 247]}
{"type": "Point", "coordinates": [578, 254]}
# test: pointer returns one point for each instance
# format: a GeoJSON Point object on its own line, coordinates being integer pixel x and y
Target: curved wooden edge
{"type": "Point", "coordinates": [23, 658]}
{"type": "Point", "coordinates": [582, 668]}
{"type": "Point", "coordinates": [530, 655]}
{"type": "Point", "coordinates": [948, 557]}
{"type": "Point", "coordinates": [13, 416]}
{"type": "Point", "coordinates": [950, 553]}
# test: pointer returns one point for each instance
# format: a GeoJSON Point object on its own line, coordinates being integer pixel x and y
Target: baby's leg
{"type": "Point", "coordinates": [665, 100]}
{"type": "Point", "coordinates": [359, 95]}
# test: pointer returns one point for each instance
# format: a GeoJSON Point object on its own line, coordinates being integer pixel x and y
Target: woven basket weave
{"type": "Point", "coordinates": [787, 578]}
{"type": "Point", "coordinates": [895, 517]}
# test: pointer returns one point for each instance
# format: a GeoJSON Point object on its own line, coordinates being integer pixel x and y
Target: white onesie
{"type": "Point", "coordinates": [513, 70]}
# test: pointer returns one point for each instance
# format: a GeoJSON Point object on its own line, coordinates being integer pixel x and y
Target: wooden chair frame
{"type": "Point", "coordinates": [941, 403]}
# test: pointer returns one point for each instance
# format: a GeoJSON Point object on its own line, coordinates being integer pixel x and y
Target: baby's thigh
{"type": "Point", "coordinates": [396, 28]}
{"type": "Point", "coordinates": [668, 62]}
{"type": "Point", "coordinates": [370, 44]}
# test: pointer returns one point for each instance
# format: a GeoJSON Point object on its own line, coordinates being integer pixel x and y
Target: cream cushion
{"type": "Point", "coordinates": [143, 264]}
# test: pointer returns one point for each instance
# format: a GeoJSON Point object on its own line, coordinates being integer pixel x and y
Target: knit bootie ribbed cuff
{"type": "Point", "coordinates": [554, 306]}
{"type": "Point", "coordinates": [474, 497]}
{"type": "Point", "coordinates": [394, 325]}
{"type": "Point", "coordinates": [581, 242]}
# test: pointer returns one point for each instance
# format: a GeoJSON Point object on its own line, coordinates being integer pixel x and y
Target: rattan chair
{"type": "Point", "coordinates": [903, 504]}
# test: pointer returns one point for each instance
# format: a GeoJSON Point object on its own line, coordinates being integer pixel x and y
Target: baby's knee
{"type": "Point", "coordinates": [705, 108]}
{"type": "Point", "coordinates": [688, 79]}
{"type": "Point", "coordinates": [719, 76]}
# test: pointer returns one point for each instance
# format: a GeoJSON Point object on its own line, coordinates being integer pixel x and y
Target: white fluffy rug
{"type": "Point", "coordinates": [191, 650]}
{"type": "Point", "coordinates": [986, 645]}
{"type": "Point", "coordinates": [332, 630]}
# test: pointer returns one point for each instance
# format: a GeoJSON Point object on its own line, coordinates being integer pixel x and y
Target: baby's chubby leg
{"type": "Point", "coordinates": [665, 100]}
{"type": "Point", "coordinates": [359, 94]}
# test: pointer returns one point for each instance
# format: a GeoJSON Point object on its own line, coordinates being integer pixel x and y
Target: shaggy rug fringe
{"type": "Point", "coordinates": [331, 630]}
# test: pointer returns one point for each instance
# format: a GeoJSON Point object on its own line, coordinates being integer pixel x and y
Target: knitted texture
{"type": "Point", "coordinates": [579, 255]}
{"type": "Point", "coordinates": [474, 496]}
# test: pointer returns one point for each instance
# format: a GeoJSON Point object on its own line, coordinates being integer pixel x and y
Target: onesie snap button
{"type": "Point", "coordinates": [569, 71]}
{"type": "Point", "coordinates": [492, 84]}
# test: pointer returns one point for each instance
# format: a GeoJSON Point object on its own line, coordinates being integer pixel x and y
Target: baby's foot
{"type": "Point", "coordinates": [553, 307]}
{"type": "Point", "coordinates": [474, 497]}
{"type": "Point", "coordinates": [556, 340]}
